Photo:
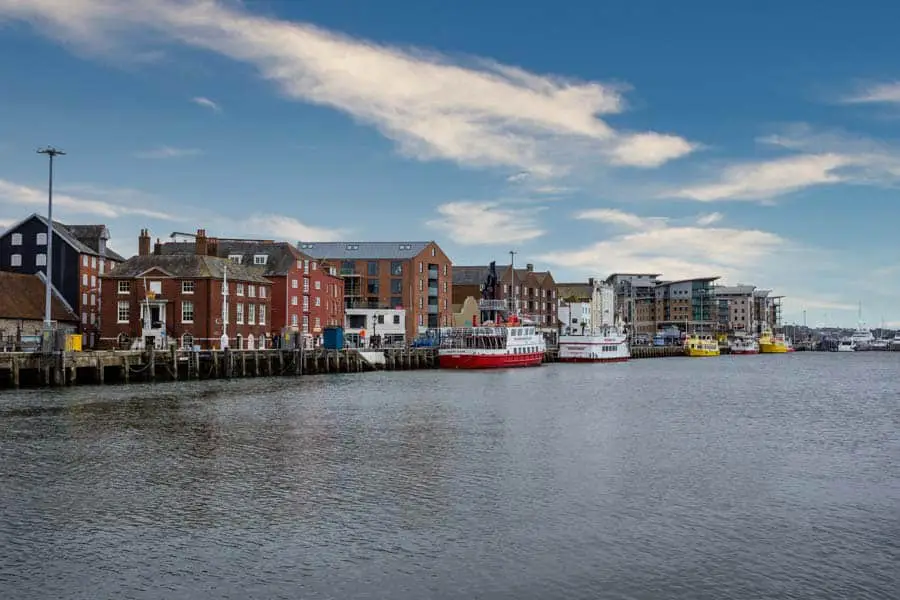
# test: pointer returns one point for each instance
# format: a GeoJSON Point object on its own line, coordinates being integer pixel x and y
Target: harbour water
{"type": "Point", "coordinates": [734, 477]}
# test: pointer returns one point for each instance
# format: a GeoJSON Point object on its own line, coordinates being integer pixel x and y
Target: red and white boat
{"type": "Point", "coordinates": [607, 345]}
{"type": "Point", "coordinates": [743, 345]}
{"type": "Point", "coordinates": [492, 346]}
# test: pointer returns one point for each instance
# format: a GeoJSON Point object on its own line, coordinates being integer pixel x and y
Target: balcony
{"type": "Point", "coordinates": [432, 309]}
{"type": "Point", "coordinates": [432, 290]}
{"type": "Point", "coordinates": [493, 305]}
{"type": "Point", "coordinates": [432, 273]}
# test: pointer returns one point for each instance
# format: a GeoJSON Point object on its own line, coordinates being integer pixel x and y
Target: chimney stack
{"type": "Point", "coordinates": [157, 247]}
{"type": "Point", "coordinates": [212, 246]}
{"type": "Point", "coordinates": [201, 243]}
{"type": "Point", "coordinates": [591, 281]}
{"type": "Point", "coordinates": [144, 243]}
{"type": "Point", "coordinates": [529, 267]}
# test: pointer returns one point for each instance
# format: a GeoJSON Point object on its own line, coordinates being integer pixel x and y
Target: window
{"type": "Point", "coordinates": [445, 270]}
{"type": "Point", "coordinates": [421, 320]}
{"type": "Point", "coordinates": [305, 285]}
{"type": "Point", "coordinates": [239, 289]}
{"type": "Point", "coordinates": [372, 268]}
{"type": "Point", "coordinates": [372, 287]}
{"type": "Point", "coordinates": [16, 239]}
{"type": "Point", "coordinates": [396, 319]}
{"type": "Point", "coordinates": [314, 266]}
{"type": "Point", "coordinates": [432, 251]}
{"type": "Point", "coordinates": [260, 259]}
{"type": "Point", "coordinates": [305, 303]}
{"type": "Point", "coordinates": [396, 267]}
{"type": "Point", "coordinates": [41, 239]}
{"type": "Point", "coordinates": [187, 287]}
{"type": "Point", "coordinates": [124, 287]}
{"type": "Point", "coordinates": [318, 322]}
{"type": "Point", "coordinates": [40, 260]}
{"type": "Point", "coordinates": [251, 314]}
{"type": "Point", "coordinates": [396, 286]}
{"type": "Point", "coordinates": [239, 316]}
{"type": "Point", "coordinates": [156, 287]}
{"type": "Point", "coordinates": [420, 267]}
{"type": "Point", "coordinates": [187, 312]}
{"type": "Point", "coordinates": [445, 286]}
{"type": "Point", "coordinates": [122, 312]}
{"type": "Point", "coordinates": [318, 285]}
{"type": "Point", "coordinates": [262, 314]}
{"type": "Point", "coordinates": [84, 260]}
{"type": "Point", "coordinates": [262, 292]}
{"type": "Point", "coordinates": [93, 281]}
{"type": "Point", "coordinates": [15, 260]}
{"type": "Point", "coordinates": [421, 285]}
{"type": "Point", "coordinates": [421, 302]}
{"type": "Point", "coordinates": [396, 302]}
{"type": "Point", "coordinates": [251, 291]}
{"type": "Point", "coordinates": [318, 301]}
{"type": "Point", "coordinates": [294, 320]}
{"type": "Point", "coordinates": [236, 258]}
{"type": "Point", "coordinates": [102, 266]}
{"type": "Point", "coordinates": [305, 323]}
{"type": "Point", "coordinates": [294, 301]}
{"type": "Point", "coordinates": [84, 317]}
{"type": "Point", "coordinates": [187, 341]}
{"type": "Point", "coordinates": [93, 262]}
{"type": "Point", "coordinates": [294, 284]}
{"type": "Point", "coordinates": [93, 300]}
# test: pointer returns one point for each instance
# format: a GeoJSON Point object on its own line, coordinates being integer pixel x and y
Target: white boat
{"type": "Point", "coordinates": [895, 343]}
{"type": "Point", "coordinates": [846, 345]}
{"type": "Point", "coordinates": [608, 344]}
{"type": "Point", "coordinates": [743, 345]}
{"type": "Point", "coordinates": [862, 338]}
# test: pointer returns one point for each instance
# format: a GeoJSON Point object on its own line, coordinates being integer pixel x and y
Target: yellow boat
{"type": "Point", "coordinates": [772, 344]}
{"type": "Point", "coordinates": [701, 345]}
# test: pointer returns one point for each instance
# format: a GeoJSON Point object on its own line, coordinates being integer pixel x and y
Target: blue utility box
{"type": "Point", "coordinates": [333, 338]}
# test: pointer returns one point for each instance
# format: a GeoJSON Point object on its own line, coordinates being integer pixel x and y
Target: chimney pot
{"type": "Point", "coordinates": [144, 243]}
{"type": "Point", "coordinates": [157, 247]}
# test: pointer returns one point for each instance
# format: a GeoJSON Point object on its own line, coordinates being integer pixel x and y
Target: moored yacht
{"type": "Point", "coordinates": [697, 345]}
{"type": "Point", "coordinates": [743, 345]}
{"type": "Point", "coordinates": [608, 344]}
{"type": "Point", "coordinates": [846, 345]}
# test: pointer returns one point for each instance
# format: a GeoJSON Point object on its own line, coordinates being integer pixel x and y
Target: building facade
{"type": "Point", "coordinates": [22, 301]}
{"type": "Point", "coordinates": [531, 293]}
{"type": "Point", "coordinates": [177, 300]}
{"type": "Point", "coordinates": [80, 258]}
{"type": "Point", "coordinates": [599, 296]}
{"type": "Point", "coordinates": [387, 326]}
{"type": "Point", "coordinates": [739, 314]}
{"type": "Point", "coordinates": [688, 304]}
{"type": "Point", "coordinates": [636, 300]}
{"type": "Point", "coordinates": [414, 276]}
{"type": "Point", "coordinates": [307, 294]}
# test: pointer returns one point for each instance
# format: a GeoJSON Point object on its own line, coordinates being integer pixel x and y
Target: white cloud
{"type": "Point", "coordinates": [14, 193]}
{"type": "Point", "coordinates": [480, 113]}
{"type": "Point", "coordinates": [880, 93]}
{"type": "Point", "coordinates": [676, 251]}
{"type": "Point", "coordinates": [613, 216]}
{"type": "Point", "coordinates": [286, 228]}
{"type": "Point", "coordinates": [767, 179]}
{"type": "Point", "coordinates": [709, 219]}
{"type": "Point", "coordinates": [486, 223]}
{"type": "Point", "coordinates": [801, 303]}
{"type": "Point", "coordinates": [206, 103]}
{"type": "Point", "coordinates": [168, 152]}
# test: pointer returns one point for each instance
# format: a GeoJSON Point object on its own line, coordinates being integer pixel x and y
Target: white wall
{"type": "Point", "coordinates": [571, 315]}
{"type": "Point", "coordinates": [390, 326]}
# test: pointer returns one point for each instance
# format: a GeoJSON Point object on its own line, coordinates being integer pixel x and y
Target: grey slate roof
{"type": "Point", "coordinates": [363, 250]}
{"type": "Point", "coordinates": [281, 256]}
{"type": "Point", "coordinates": [75, 236]}
{"type": "Point", "coordinates": [577, 290]}
{"type": "Point", "coordinates": [188, 266]}
{"type": "Point", "coordinates": [471, 275]}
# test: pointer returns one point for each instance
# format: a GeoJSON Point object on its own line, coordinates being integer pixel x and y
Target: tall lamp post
{"type": "Point", "coordinates": [51, 153]}
{"type": "Point", "coordinates": [512, 269]}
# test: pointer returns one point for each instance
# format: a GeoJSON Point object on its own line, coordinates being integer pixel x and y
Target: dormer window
{"type": "Point", "coordinates": [406, 246]}
{"type": "Point", "coordinates": [306, 246]}
{"type": "Point", "coordinates": [260, 259]}
{"type": "Point", "coordinates": [236, 258]}
{"type": "Point", "coordinates": [352, 246]}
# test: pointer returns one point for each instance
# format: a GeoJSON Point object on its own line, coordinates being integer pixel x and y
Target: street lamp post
{"type": "Point", "coordinates": [51, 153]}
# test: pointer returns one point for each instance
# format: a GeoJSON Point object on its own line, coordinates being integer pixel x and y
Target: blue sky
{"type": "Point", "coordinates": [761, 145]}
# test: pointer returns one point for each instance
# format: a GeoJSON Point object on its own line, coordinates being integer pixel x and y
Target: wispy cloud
{"type": "Point", "coordinates": [18, 194]}
{"type": "Point", "coordinates": [287, 228]}
{"type": "Point", "coordinates": [206, 103]}
{"type": "Point", "coordinates": [709, 219]}
{"type": "Point", "coordinates": [487, 223]}
{"type": "Point", "coordinates": [879, 93]}
{"type": "Point", "coordinates": [476, 113]}
{"type": "Point", "coordinates": [652, 244]}
{"type": "Point", "coordinates": [168, 152]}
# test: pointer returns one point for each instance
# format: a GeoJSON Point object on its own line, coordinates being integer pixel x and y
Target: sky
{"type": "Point", "coordinates": [758, 142]}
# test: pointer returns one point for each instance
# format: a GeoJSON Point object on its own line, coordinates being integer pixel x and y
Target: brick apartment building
{"type": "Point", "coordinates": [415, 276]}
{"type": "Point", "coordinates": [80, 257]}
{"type": "Point", "coordinates": [307, 294]}
{"type": "Point", "coordinates": [177, 299]}
{"type": "Point", "coordinates": [535, 291]}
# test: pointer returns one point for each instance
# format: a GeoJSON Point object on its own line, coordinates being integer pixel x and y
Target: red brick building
{"type": "Point", "coordinates": [306, 296]}
{"type": "Point", "coordinates": [534, 291]}
{"type": "Point", "coordinates": [177, 299]}
{"type": "Point", "coordinates": [416, 276]}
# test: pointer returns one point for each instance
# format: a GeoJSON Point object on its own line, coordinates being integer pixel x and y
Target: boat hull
{"type": "Point", "coordinates": [772, 349]}
{"type": "Point", "coordinates": [744, 351]}
{"type": "Point", "coordinates": [450, 359]}
{"type": "Point", "coordinates": [701, 352]}
{"type": "Point", "coordinates": [590, 359]}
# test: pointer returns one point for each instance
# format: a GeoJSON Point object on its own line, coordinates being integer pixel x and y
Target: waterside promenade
{"type": "Point", "coordinates": [29, 369]}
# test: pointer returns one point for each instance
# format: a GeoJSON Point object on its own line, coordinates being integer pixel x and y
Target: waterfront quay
{"type": "Point", "coordinates": [33, 369]}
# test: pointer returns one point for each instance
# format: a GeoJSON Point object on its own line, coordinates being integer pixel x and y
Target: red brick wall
{"type": "Point", "coordinates": [207, 298]}
{"type": "Point", "coordinates": [326, 300]}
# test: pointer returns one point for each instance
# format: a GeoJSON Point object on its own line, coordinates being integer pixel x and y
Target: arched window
{"type": "Point", "coordinates": [187, 341]}
{"type": "Point", "coordinates": [123, 341]}
{"type": "Point", "coordinates": [239, 339]}
{"type": "Point", "coordinates": [250, 345]}
{"type": "Point", "coordinates": [262, 342]}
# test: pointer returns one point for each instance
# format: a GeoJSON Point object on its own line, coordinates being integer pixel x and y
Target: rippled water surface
{"type": "Point", "coordinates": [737, 477]}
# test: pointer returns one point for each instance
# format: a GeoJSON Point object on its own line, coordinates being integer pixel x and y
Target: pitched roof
{"type": "Point", "coordinates": [79, 237]}
{"type": "Point", "coordinates": [188, 266]}
{"type": "Point", "coordinates": [23, 297]}
{"type": "Point", "coordinates": [470, 275]}
{"type": "Point", "coordinates": [363, 250]}
{"type": "Point", "coordinates": [280, 256]}
{"type": "Point", "coordinates": [574, 290]}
